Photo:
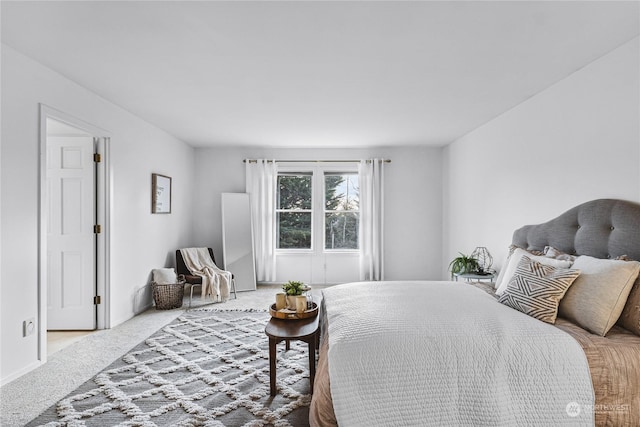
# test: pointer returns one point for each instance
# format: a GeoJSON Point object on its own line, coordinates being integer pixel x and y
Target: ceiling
{"type": "Point", "coordinates": [317, 74]}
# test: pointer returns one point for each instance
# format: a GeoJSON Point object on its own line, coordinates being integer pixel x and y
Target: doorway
{"type": "Point", "coordinates": [73, 288]}
{"type": "Point", "coordinates": [71, 258]}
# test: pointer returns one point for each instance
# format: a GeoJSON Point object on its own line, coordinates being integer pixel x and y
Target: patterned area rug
{"type": "Point", "coordinates": [206, 368]}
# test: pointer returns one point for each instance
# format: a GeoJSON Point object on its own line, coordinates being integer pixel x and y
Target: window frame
{"type": "Point", "coordinates": [318, 204]}
{"type": "Point", "coordinates": [282, 171]}
{"type": "Point", "coordinates": [331, 172]}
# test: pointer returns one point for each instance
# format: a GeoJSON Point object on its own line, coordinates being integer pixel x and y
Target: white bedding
{"type": "Point", "coordinates": [446, 353]}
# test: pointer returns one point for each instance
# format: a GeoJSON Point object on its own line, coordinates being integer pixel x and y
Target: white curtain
{"type": "Point", "coordinates": [261, 180]}
{"type": "Point", "coordinates": [371, 179]}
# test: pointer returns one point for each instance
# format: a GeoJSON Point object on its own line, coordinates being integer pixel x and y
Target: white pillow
{"type": "Point", "coordinates": [510, 251]}
{"type": "Point", "coordinates": [514, 260]}
{"type": "Point", "coordinates": [502, 270]}
{"type": "Point", "coordinates": [164, 276]}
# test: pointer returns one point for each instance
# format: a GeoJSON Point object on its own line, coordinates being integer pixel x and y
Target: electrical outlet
{"type": "Point", "coordinates": [28, 327]}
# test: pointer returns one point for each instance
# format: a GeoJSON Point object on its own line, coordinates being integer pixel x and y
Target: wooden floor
{"type": "Point", "coordinates": [57, 340]}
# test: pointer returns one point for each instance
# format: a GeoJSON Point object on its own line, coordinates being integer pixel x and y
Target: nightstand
{"type": "Point", "coordinates": [467, 277]}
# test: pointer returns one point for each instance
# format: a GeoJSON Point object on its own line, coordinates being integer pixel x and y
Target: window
{"type": "Point", "coordinates": [317, 209]}
{"type": "Point", "coordinates": [341, 210]}
{"type": "Point", "coordinates": [294, 211]}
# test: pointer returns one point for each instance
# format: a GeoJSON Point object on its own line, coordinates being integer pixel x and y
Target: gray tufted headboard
{"type": "Point", "coordinates": [604, 228]}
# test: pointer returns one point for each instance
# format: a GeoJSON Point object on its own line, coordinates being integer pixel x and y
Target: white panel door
{"type": "Point", "coordinates": [70, 242]}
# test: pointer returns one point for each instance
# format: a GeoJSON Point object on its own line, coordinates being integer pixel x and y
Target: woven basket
{"type": "Point", "coordinates": [168, 296]}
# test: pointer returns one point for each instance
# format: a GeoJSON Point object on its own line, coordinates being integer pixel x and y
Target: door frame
{"type": "Point", "coordinates": [103, 213]}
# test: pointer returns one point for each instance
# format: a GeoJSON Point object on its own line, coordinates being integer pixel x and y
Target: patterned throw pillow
{"type": "Point", "coordinates": [514, 260]}
{"type": "Point", "coordinates": [536, 289]}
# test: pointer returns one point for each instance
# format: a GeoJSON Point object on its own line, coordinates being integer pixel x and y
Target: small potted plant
{"type": "Point", "coordinates": [463, 264]}
{"type": "Point", "coordinates": [293, 288]}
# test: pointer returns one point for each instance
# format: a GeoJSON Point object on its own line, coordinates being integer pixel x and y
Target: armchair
{"type": "Point", "coordinates": [181, 268]}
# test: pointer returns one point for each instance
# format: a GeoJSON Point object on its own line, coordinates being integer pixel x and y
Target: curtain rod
{"type": "Point", "coordinates": [313, 161]}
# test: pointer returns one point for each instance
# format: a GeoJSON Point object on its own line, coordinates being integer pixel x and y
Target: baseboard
{"type": "Point", "coordinates": [269, 283]}
{"type": "Point", "coordinates": [142, 299]}
{"type": "Point", "coordinates": [21, 372]}
{"type": "Point", "coordinates": [323, 285]}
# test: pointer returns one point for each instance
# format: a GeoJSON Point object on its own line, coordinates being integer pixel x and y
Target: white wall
{"type": "Point", "coordinates": [576, 141]}
{"type": "Point", "coordinates": [140, 241]}
{"type": "Point", "coordinates": [413, 194]}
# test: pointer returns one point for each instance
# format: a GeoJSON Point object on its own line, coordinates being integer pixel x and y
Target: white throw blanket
{"type": "Point", "coordinates": [446, 353]}
{"type": "Point", "coordinates": [215, 282]}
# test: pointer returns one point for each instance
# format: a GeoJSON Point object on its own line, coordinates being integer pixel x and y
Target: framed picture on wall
{"type": "Point", "coordinates": [160, 194]}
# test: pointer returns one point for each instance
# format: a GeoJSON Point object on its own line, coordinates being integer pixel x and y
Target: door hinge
{"type": "Point", "coordinates": [97, 157]}
{"type": "Point", "coordinates": [96, 299]}
{"type": "Point", "coordinates": [97, 229]}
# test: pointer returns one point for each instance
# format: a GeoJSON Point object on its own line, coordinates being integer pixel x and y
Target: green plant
{"type": "Point", "coordinates": [293, 287]}
{"type": "Point", "coordinates": [463, 264]}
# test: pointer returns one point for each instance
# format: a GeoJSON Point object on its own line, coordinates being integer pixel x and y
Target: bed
{"type": "Point", "coordinates": [448, 353]}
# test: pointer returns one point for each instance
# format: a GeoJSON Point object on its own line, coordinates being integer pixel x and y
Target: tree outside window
{"type": "Point", "coordinates": [294, 211]}
{"type": "Point", "coordinates": [339, 217]}
{"type": "Point", "coordinates": [341, 210]}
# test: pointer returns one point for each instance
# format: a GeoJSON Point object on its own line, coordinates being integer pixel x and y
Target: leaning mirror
{"type": "Point", "coordinates": [237, 240]}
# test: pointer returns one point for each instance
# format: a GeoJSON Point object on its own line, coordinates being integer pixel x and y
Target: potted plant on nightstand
{"type": "Point", "coordinates": [463, 264]}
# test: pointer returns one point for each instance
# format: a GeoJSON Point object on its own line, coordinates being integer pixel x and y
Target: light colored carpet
{"type": "Point", "coordinates": [28, 396]}
{"type": "Point", "coordinates": [207, 367]}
